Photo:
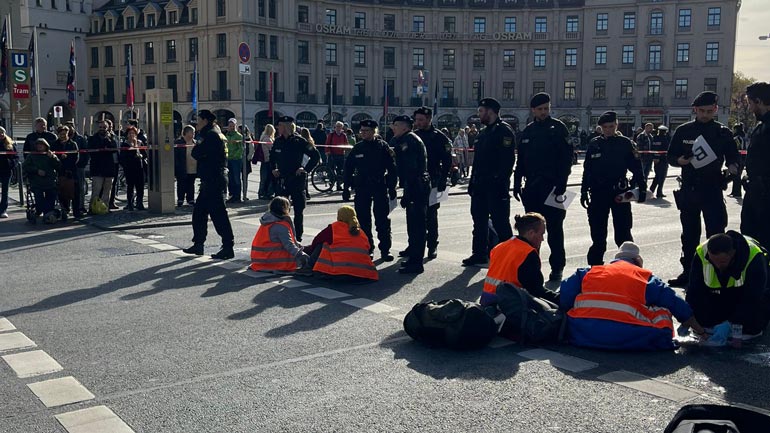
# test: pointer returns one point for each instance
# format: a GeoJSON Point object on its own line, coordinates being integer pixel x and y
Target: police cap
{"type": "Point", "coordinates": [704, 99]}
{"type": "Point", "coordinates": [539, 99]}
{"type": "Point", "coordinates": [608, 117]}
{"type": "Point", "coordinates": [207, 114]}
{"type": "Point", "coordinates": [490, 103]}
{"type": "Point", "coordinates": [285, 119]}
{"type": "Point", "coordinates": [425, 111]}
{"type": "Point", "coordinates": [369, 123]}
{"type": "Point", "coordinates": [403, 118]}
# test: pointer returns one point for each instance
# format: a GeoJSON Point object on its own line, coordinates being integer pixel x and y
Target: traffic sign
{"type": "Point", "coordinates": [244, 69]}
{"type": "Point", "coordinates": [58, 111]}
{"type": "Point", "coordinates": [244, 52]}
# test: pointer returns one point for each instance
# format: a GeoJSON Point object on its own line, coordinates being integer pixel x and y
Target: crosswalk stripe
{"type": "Point", "coordinates": [6, 325]}
{"type": "Point", "coordinates": [93, 420]}
{"type": "Point", "coordinates": [289, 283]}
{"type": "Point", "coordinates": [559, 360]}
{"type": "Point", "coordinates": [14, 341]}
{"type": "Point", "coordinates": [325, 293]}
{"type": "Point", "coordinates": [30, 364]}
{"type": "Point", "coordinates": [128, 237]}
{"type": "Point", "coordinates": [369, 305]}
{"type": "Point", "coordinates": [648, 385]}
{"type": "Point", "coordinates": [61, 391]}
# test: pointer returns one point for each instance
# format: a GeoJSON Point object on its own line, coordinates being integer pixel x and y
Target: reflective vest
{"type": "Point", "coordinates": [710, 277]}
{"type": "Point", "coordinates": [267, 255]}
{"type": "Point", "coordinates": [504, 262]}
{"type": "Point", "coordinates": [616, 292]}
{"type": "Point", "coordinates": [347, 255]}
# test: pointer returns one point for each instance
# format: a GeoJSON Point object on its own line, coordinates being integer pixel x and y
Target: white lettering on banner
{"type": "Point", "coordinates": [702, 153]}
{"type": "Point", "coordinates": [392, 34]}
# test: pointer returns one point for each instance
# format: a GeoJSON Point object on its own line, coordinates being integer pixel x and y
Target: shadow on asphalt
{"type": "Point", "coordinates": [458, 287]}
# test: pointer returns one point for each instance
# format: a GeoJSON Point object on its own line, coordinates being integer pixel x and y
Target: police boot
{"type": "Point", "coordinates": [475, 260]}
{"type": "Point", "coordinates": [387, 256]}
{"type": "Point", "coordinates": [226, 253]}
{"type": "Point", "coordinates": [432, 253]}
{"type": "Point", "coordinates": [196, 249]}
{"type": "Point", "coordinates": [404, 253]}
{"type": "Point", "coordinates": [411, 268]}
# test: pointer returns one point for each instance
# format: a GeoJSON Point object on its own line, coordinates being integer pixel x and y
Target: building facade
{"type": "Point", "coordinates": [645, 59]}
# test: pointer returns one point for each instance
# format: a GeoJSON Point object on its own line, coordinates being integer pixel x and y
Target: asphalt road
{"type": "Point", "coordinates": [168, 343]}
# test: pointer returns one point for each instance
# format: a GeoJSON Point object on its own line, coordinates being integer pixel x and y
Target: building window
{"type": "Point", "coordinates": [150, 21]}
{"type": "Point", "coordinates": [418, 58]}
{"type": "Point", "coordinates": [109, 96]}
{"type": "Point", "coordinates": [262, 46]}
{"type": "Point", "coordinates": [303, 14]}
{"type": "Point", "coordinates": [682, 53]}
{"type": "Point", "coordinates": [192, 48]}
{"type": "Point", "coordinates": [541, 24]}
{"type": "Point", "coordinates": [149, 53]}
{"type": "Point", "coordinates": [479, 25]}
{"type": "Point", "coordinates": [109, 25]}
{"type": "Point", "coordinates": [273, 47]}
{"type": "Point", "coordinates": [261, 8]}
{"type": "Point", "coordinates": [476, 90]}
{"type": "Point", "coordinates": [509, 59]}
{"type": "Point", "coordinates": [628, 54]}
{"type": "Point", "coordinates": [95, 90]}
{"type": "Point", "coordinates": [194, 15]}
{"type": "Point", "coordinates": [509, 25]}
{"type": "Point", "coordinates": [389, 22]}
{"type": "Point", "coordinates": [171, 51]}
{"type": "Point", "coordinates": [222, 83]}
{"type": "Point", "coordinates": [271, 9]}
{"type": "Point", "coordinates": [540, 58]}
{"type": "Point", "coordinates": [389, 60]}
{"type": "Point", "coordinates": [654, 57]}
{"type": "Point", "coordinates": [600, 89]}
{"type": "Point", "coordinates": [303, 52]}
{"type": "Point", "coordinates": [653, 91]}
{"type": "Point", "coordinates": [221, 44]}
{"type": "Point", "coordinates": [450, 24]}
{"type": "Point", "coordinates": [448, 61]}
{"type": "Point", "coordinates": [712, 52]}
{"type": "Point", "coordinates": [359, 55]}
{"type": "Point", "coordinates": [602, 22]}
{"type": "Point", "coordinates": [53, 4]}
{"type": "Point", "coordinates": [221, 8]}
{"type": "Point", "coordinates": [67, 5]}
{"type": "Point", "coordinates": [149, 82]}
{"type": "Point", "coordinates": [479, 59]}
{"type": "Point", "coordinates": [538, 87]}
{"type": "Point", "coordinates": [600, 57]}
{"type": "Point", "coordinates": [626, 89]}
{"type": "Point", "coordinates": [108, 57]}
{"type": "Point", "coordinates": [303, 84]}
{"type": "Point", "coordinates": [171, 84]}
{"type": "Point", "coordinates": [418, 24]}
{"type": "Point", "coordinates": [130, 24]}
{"type": "Point", "coordinates": [656, 23]}
{"type": "Point", "coordinates": [570, 90]}
{"type": "Point", "coordinates": [331, 17]}
{"type": "Point", "coordinates": [709, 84]}
{"type": "Point", "coordinates": [360, 20]}
{"type": "Point", "coordinates": [629, 21]}
{"type": "Point", "coordinates": [680, 89]}
{"type": "Point", "coordinates": [570, 57]}
{"type": "Point", "coordinates": [359, 88]}
{"type": "Point", "coordinates": [173, 18]}
{"type": "Point", "coordinates": [509, 90]}
{"type": "Point", "coordinates": [715, 17]}
{"type": "Point", "coordinates": [572, 24]}
{"type": "Point", "coordinates": [331, 54]}
{"type": "Point", "coordinates": [447, 89]}
{"type": "Point", "coordinates": [685, 19]}
{"type": "Point", "coordinates": [94, 57]}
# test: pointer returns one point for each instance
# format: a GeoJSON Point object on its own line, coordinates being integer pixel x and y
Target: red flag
{"type": "Point", "coordinates": [270, 98]}
{"type": "Point", "coordinates": [130, 80]}
{"type": "Point", "coordinates": [71, 98]}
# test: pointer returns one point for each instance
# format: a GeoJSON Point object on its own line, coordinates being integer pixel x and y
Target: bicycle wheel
{"type": "Point", "coordinates": [322, 178]}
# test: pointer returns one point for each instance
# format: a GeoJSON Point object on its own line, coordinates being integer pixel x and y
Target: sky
{"type": "Point", "coordinates": [751, 54]}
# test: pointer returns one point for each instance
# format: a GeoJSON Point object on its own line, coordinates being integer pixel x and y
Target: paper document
{"type": "Point", "coordinates": [702, 153]}
{"type": "Point", "coordinates": [560, 201]}
{"type": "Point", "coordinates": [392, 205]}
{"type": "Point", "coordinates": [437, 197]}
{"type": "Point", "coordinates": [630, 195]}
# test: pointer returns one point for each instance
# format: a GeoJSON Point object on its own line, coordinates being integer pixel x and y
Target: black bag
{"type": "Point", "coordinates": [717, 419]}
{"type": "Point", "coordinates": [532, 319]}
{"type": "Point", "coordinates": [452, 323]}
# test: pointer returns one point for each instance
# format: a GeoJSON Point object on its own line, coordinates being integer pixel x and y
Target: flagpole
{"type": "Point", "coordinates": [36, 53]}
{"type": "Point", "coordinates": [74, 78]}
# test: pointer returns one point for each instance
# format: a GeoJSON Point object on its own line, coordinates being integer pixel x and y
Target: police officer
{"type": "Point", "coordinates": [439, 149]}
{"type": "Point", "coordinates": [660, 144]}
{"type": "Point", "coordinates": [608, 158]}
{"type": "Point", "coordinates": [755, 214]}
{"type": "Point", "coordinates": [286, 163]}
{"type": "Point", "coordinates": [545, 162]}
{"type": "Point", "coordinates": [701, 190]}
{"type": "Point", "coordinates": [212, 162]}
{"type": "Point", "coordinates": [490, 181]}
{"type": "Point", "coordinates": [412, 165]}
{"type": "Point", "coordinates": [370, 169]}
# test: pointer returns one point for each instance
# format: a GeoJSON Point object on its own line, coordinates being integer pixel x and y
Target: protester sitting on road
{"type": "Point", "coordinates": [728, 282]}
{"type": "Point", "coordinates": [41, 168]}
{"type": "Point", "coordinates": [622, 306]}
{"type": "Point", "coordinates": [274, 247]}
{"type": "Point", "coordinates": [342, 248]}
{"type": "Point", "coordinates": [517, 261]}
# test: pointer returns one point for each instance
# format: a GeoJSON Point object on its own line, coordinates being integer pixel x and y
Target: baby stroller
{"type": "Point", "coordinates": [32, 212]}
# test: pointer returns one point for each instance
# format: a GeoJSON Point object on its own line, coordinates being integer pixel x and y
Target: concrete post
{"type": "Point", "coordinates": [160, 136]}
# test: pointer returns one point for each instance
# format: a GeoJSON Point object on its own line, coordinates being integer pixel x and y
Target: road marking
{"type": "Point", "coordinates": [559, 360]}
{"type": "Point", "coordinates": [232, 264]}
{"type": "Point", "coordinates": [95, 419]}
{"type": "Point", "coordinates": [648, 385]}
{"type": "Point", "coordinates": [400, 317]}
{"type": "Point", "coordinates": [325, 293]}
{"type": "Point", "coordinates": [289, 283]}
{"type": "Point", "coordinates": [15, 340]}
{"type": "Point", "coordinates": [6, 325]}
{"type": "Point", "coordinates": [144, 241]}
{"type": "Point", "coordinates": [61, 391]}
{"type": "Point", "coordinates": [30, 364]}
{"type": "Point", "coordinates": [128, 237]}
{"type": "Point", "coordinates": [369, 305]}
{"type": "Point", "coordinates": [163, 247]}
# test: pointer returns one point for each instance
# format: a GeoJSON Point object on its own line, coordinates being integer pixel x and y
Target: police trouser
{"type": "Point", "coordinates": [661, 170]}
{"type": "Point", "coordinates": [691, 202]}
{"type": "Point", "coordinates": [431, 224]}
{"type": "Point", "coordinates": [602, 203]}
{"type": "Point", "coordinates": [337, 164]}
{"type": "Point", "coordinates": [755, 216]}
{"type": "Point", "coordinates": [533, 199]}
{"type": "Point", "coordinates": [416, 215]}
{"type": "Point", "coordinates": [490, 201]}
{"type": "Point", "coordinates": [365, 197]}
{"type": "Point", "coordinates": [737, 189]}
{"type": "Point", "coordinates": [294, 190]}
{"type": "Point", "coordinates": [210, 202]}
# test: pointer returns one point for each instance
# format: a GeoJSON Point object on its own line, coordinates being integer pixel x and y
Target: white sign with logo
{"type": "Point", "coordinates": [702, 153]}
{"type": "Point", "coordinates": [244, 69]}
{"type": "Point", "coordinates": [58, 111]}
{"type": "Point", "coordinates": [560, 201]}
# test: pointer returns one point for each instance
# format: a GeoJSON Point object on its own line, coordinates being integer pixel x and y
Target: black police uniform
{"type": "Point", "coordinates": [660, 165]}
{"type": "Point", "coordinates": [604, 177]}
{"type": "Point", "coordinates": [545, 162]}
{"type": "Point", "coordinates": [490, 184]}
{"type": "Point", "coordinates": [370, 169]}
{"type": "Point", "coordinates": [286, 157]}
{"type": "Point", "coordinates": [439, 149]}
{"type": "Point", "coordinates": [701, 189]}
{"type": "Point", "coordinates": [755, 215]}
{"type": "Point", "coordinates": [411, 163]}
{"type": "Point", "coordinates": [211, 157]}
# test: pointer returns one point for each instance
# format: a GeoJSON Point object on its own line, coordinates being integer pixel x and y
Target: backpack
{"type": "Point", "coordinates": [452, 323]}
{"type": "Point", "coordinates": [714, 418]}
{"type": "Point", "coordinates": [532, 319]}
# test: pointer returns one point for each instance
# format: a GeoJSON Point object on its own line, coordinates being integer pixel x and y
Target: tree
{"type": "Point", "coordinates": [739, 108]}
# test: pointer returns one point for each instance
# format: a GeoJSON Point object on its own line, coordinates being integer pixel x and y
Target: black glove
{"type": "Point", "coordinates": [642, 196]}
{"type": "Point", "coordinates": [404, 202]}
{"type": "Point", "coordinates": [517, 192]}
{"type": "Point", "coordinates": [346, 195]}
{"type": "Point", "coordinates": [391, 194]}
{"type": "Point", "coordinates": [585, 201]}
{"type": "Point", "coordinates": [560, 190]}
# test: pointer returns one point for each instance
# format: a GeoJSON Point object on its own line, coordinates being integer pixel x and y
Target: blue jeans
{"type": "Point", "coordinates": [235, 171]}
{"type": "Point", "coordinates": [5, 183]}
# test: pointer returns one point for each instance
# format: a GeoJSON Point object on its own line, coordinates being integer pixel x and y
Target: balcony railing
{"type": "Point", "coordinates": [338, 99]}
{"type": "Point", "coordinates": [416, 101]}
{"type": "Point", "coordinates": [568, 103]}
{"type": "Point", "coordinates": [393, 101]}
{"type": "Point", "coordinates": [278, 97]}
{"type": "Point", "coordinates": [653, 101]}
{"type": "Point", "coordinates": [109, 99]}
{"type": "Point", "coordinates": [448, 102]}
{"type": "Point", "coordinates": [260, 95]}
{"type": "Point", "coordinates": [93, 99]}
{"type": "Point", "coordinates": [220, 95]}
{"type": "Point", "coordinates": [304, 98]}
{"type": "Point", "coordinates": [362, 100]}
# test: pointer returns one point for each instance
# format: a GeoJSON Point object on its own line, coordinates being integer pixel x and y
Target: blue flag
{"type": "Point", "coordinates": [195, 85]}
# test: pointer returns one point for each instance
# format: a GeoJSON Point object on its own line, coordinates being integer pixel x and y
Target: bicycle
{"type": "Point", "coordinates": [323, 177]}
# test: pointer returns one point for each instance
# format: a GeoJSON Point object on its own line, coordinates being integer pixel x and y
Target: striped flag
{"type": "Point", "coordinates": [71, 97]}
{"type": "Point", "coordinates": [4, 59]}
{"type": "Point", "coordinates": [195, 85]}
{"type": "Point", "coordinates": [129, 79]}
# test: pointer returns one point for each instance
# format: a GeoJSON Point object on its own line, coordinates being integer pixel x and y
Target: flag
{"type": "Point", "coordinates": [435, 100]}
{"type": "Point", "coordinates": [385, 108]}
{"type": "Point", "coordinates": [330, 89]}
{"type": "Point", "coordinates": [194, 86]}
{"type": "Point", "coordinates": [71, 78]}
{"type": "Point", "coordinates": [32, 71]}
{"type": "Point", "coordinates": [4, 59]}
{"type": "Point", "coordinates": [420, 82]}
{"type": "Point", "coordinates": [129, 79]}
{"type": "Point", "coordinates": [270, 98]}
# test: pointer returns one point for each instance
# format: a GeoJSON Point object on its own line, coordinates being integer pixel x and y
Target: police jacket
{"type": "Point", "coordinates": [660, 144]}
{"type": "Point", "coordinates": [412, 163]}
{"type": "Point", "coordinates": [607, 161]}
{"type": "Point", "coordinates": [494, 155]}
{"type": "Point", "coordinates": [439, 149]}
{"type": "Point", "coordinates": [545, 155]}
{"type": "Point", "coordinates": [29, 141]}
{"type": "Point", "coordinates": [211, 155]}
{"type": "Point", "coordinates": [719, 138]}
{"type": "Point", "coordinates": [287, 153]}
{"type": "Point", "coordinates": [758, 153]}
{"type": "Point", "coordinates": [103, 155]}
{"type": "Point", "coordinates": [371, 164]}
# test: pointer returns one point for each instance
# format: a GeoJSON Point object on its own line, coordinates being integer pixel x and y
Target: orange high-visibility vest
{"type": "Point", "coordinates": [504, 262]}
{"type": "Point", "coordinates": [347, 255]}
{"type": "Point", "coordinates": [616, 292]}
{"type": "Point", "coordinates": [267, 255]}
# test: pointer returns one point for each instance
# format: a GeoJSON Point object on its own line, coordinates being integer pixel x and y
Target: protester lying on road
{"type": "Point", "coordinates": [274, 247]}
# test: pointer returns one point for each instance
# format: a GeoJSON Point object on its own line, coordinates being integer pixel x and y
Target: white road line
{"type": "Point", "coordinates": [163, 247]}
{"type": "Point", "coordinates": [6, 325]}
{"type": "Point", "coordinates": [144, 241]}
{"type": "Point", "coordinates": [369, 305]}
{"type": "Point", "coordinates": [30, 364]}
{"type": "Point", "coordinates": [499, 342]}
{"type": "Point", "coordinates": [232, 264]}
{"type": "Point", "coordinates": [15, 340]}
{"type": "Point", "coordinates": [559, 360]}
{"type": "Point", "coordinates": [289, 283]}
{"type": "Point", "coordinates": [61, 391]}
{"type": "Point", "coordinates": [400, 317]}
{"type": "Point", "coordinates": [651, 386]}
{"type": "Point", "coordinates": [128, 237]}
{"type": "Point", "coordinates": [325, 293]}
{"type": "Point", "coordinates": [97, 419]}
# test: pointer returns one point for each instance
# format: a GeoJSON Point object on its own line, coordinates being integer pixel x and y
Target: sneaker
{"type": "Point", "coordinates": [4, 215]}
{"type": "Point", "coordinates": [224, 254]}
{"type": "Point", "coordinates": [681, 281]}
{"type": "Point", "coordinates": [304, 272]}
{"type": "Point", "coordinates": [474, 260]}
{"type": "Point", "coordinates": [196, 249]}
{"type": "Point", "coordinates": [387, 256]}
